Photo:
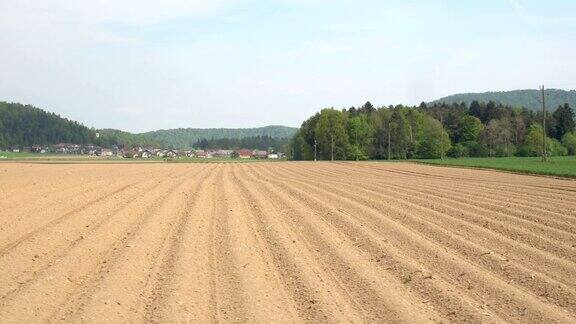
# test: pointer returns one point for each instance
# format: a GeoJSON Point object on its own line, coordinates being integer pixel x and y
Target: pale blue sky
{"type": "Point", "coordinates": [150, 64]}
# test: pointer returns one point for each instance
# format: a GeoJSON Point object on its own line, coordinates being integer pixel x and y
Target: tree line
{"type": "Point", "coordinates": [188, 137]}
{"type": "Point", "coordinates": [432, 131]}
{"type": "Point", "coordinates": [252, 142]}
{"type": "Point", "coordinates": [117, 138]}
{"type": "Point", "coordinates": [24, 125]}
{"type": "Point", "coordinates": [529, 98]}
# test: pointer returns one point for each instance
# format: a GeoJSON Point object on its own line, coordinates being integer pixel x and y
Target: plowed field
{"type": "Point", "coordinates": [289, 242]}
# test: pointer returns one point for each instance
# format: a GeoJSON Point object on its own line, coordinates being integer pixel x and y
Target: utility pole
{"type": "Point", "coordinates": [332, 141]}
{"type": "Point", "coordinates": [315, 143]}
{"type": "Point", "coordinates": [356, 145]}
{"type": "Point", "coordinates": [544, 153]}
{"type": "Point", "coordinates": [389, 131]}
{"type": "Point", "coordinates": [441, 135]}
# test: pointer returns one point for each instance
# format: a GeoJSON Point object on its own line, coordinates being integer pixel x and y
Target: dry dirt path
{"type": "Point", "coordinates": [284, 242]}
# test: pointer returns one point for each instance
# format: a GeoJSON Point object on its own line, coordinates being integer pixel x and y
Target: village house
{"type": "Point", "coordinates": [90, 149]}
{"type": "Point", "coordinates": [74, 149]}
{"type": "Point", "coordinates": [67, 148]}
{"type": "Point", "coordinates": [258, 154]}
{"type": "Point", "coordinates": [116, 150]}
{"type": "Point", "coordinates": [244, 154]}
{"type": "Point", "coordinates": [152, 151]}
{"type": "Point", "coordinates": [105, 152]}
{"type": "Point", "coordinates": [61, 148]}
{"type": "Point", "coordinates": [146, 154]}
{"type": "Point", "coordinates": [131, 154]}
{"type": "Point", "coordinates": [222, 153]}
{"type": "Point", "coordinates": [39, 149]}
{"type": "Point", "coordinates": [273, 155]}
{"type": "Point", "coordinates": [171, 154]}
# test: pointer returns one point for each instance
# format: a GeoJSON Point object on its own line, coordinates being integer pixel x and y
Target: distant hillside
{"type": "Point", "coordinates": [24, 125]}
{"type": "Point", "coordinates": [113, 137]}
{"type": "Point", "coordinates": [517, 98]}
{"type": "Point", "coordinates": [187, 137]}
{"type": "Point", "coordinates": [252, 143]}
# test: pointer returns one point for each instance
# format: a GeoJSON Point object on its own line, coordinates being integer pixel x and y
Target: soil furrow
{"type": "Point", "coordinates": [549, 239]}
{"type": "Point", "coordinates": [427, 253]}
{"type": "Point", "coordinates": [538, 283]}
{"type": "Point", "coordinates": [284, 242]}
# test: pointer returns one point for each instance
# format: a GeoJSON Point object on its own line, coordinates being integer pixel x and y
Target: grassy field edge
{"type": "Point", "coordinates": [564, 167]}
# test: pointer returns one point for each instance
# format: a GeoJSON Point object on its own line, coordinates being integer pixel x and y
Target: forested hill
{"type": "Point", "coordinates": [516, 98]}
{"type": "Point", "coordinates": [113, 137]}
{"type": "Point", "coordinates": [24, 125]}
{"type": "Point", "coordinates": [433, 131]}
{"type": "Point", "coordinates": [188, 137]}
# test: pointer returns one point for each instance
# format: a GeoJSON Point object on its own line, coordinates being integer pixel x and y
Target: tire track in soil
{"type": "Point", "coordinates": [226, 290]}
{"type": "Point", "coordinates": [376, 295]}
{"type": "Point", "coordinates": [450, 304]}
{"type": "Point", "coordinates": [267, 298]}
{"type": "Point", "coordinates": [185, 294]}
{"type": "Point", "coordinates": [164, 279]}
{"type": "Point", "coordinates": [134, 267]}
{"type": "Point", "coordinates": [317, 297]}
{"type": "Point", "coordinates": [229, 294]}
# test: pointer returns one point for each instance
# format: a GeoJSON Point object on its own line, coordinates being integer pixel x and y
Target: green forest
{"type": "Point", "coordinates": [253, 142]}
{"type": "Point", "coordinates": [427, 131]}
{"type": "Point", "coordinates": [188, 137]}
{"type": "Point", "coordinates": [24, 125]}
{"type": "Point", "coordinates": [433, 131]}
{"type": "Point", "coordinates": [113, 137]}
{"type": "Point", "coordinates": [530, 99]}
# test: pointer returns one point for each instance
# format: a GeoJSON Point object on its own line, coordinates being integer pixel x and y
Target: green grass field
{"type": "Point", "coordinates": [48, 156]}
{"type": "Point", "coordinates": [563, 166]}
{"type": "Point", "coordinates": [22, 156]}
{"type": "Point", "coordinates": [73, 158]}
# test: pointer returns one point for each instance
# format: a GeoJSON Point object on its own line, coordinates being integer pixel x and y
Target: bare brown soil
{"type": "Point", "coordinates": [284, 242]}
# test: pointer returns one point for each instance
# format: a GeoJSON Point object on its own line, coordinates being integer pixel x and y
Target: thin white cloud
{"type": "Point", "coordinates": [522, 12]}
{"type": "Point", "coordinates": [120, 64]}
{"type": "Point", "coordinates": [136, 12]}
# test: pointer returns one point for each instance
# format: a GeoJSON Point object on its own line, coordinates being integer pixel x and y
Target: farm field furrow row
{"type": "Point", "coordinates": [284, 242]}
